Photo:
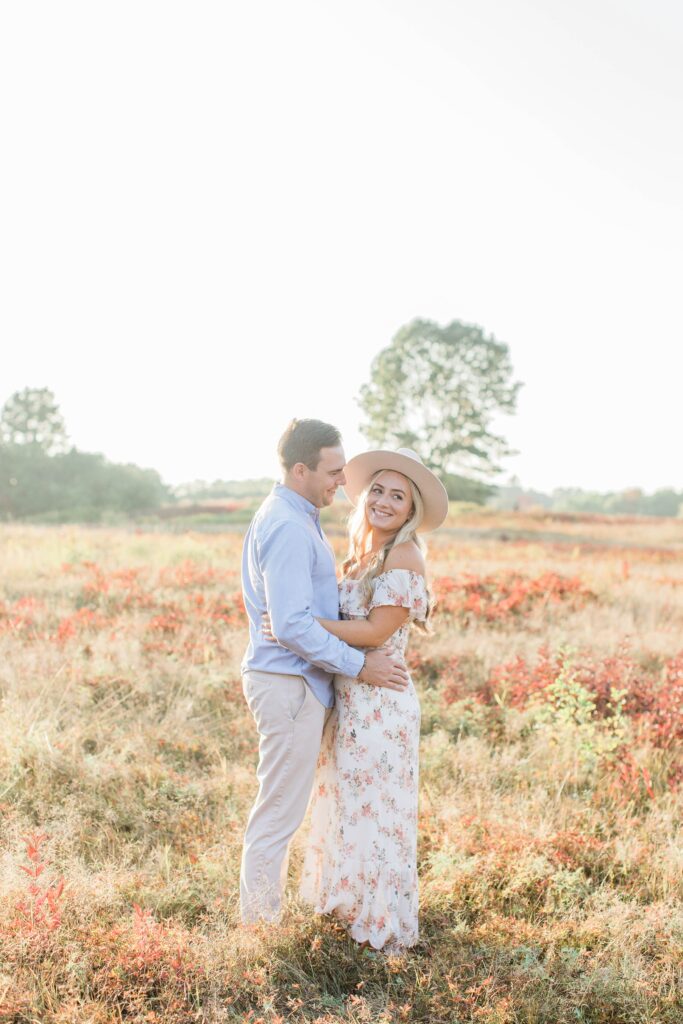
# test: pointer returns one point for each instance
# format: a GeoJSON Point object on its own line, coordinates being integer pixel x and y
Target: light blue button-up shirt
{"type": "Point", "coordinates": [288, 570]}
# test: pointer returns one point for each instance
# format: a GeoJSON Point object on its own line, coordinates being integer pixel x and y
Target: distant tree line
{"type": "Point", "coordinates": [204, 490]}
{"type": "Point", "coordinates": [664, 502]}
{"type": "Point", "coordinates": [42, 477]}
{"type": "Point", "coordinates": [633, 501]}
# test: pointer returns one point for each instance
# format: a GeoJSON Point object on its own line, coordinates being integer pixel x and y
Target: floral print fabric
{"type": "Point", "coordinates": [361, 859]}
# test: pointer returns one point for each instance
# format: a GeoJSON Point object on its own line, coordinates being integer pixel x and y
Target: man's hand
{"type": "Point", "coordinates": [384, 669]}
{"type": "Point", "coordinates": [381, 668]}
{"type": "Point", "coordinates": [267, 628]}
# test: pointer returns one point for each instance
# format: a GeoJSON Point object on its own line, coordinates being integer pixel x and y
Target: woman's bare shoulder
{"type": "Point", "coordinates": [406, 556]}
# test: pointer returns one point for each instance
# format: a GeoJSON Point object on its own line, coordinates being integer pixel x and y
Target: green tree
{"type": "Point", "coordinates": [436, 389]}
{"type": "Point", "coordinates": [32, 417]}
{"type": "Point", "coordinates": [665, 502]}
{"type": "Point", "coordinates": [74, 486]}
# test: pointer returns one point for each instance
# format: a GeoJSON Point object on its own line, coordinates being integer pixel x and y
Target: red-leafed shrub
{"type": "Point", "coordinates": [652, 697]}
{"type": "Point", "coordinates": [505, 597]}
{"type": "Point", "coordinates": [38, 911]}
{"type": "Point", "coordinates": [84, 620]}
{"type": "Point", "coordinates": [19, 617]}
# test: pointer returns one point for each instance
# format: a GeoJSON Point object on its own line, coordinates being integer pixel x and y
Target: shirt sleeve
{"type": "Point", "coordinates": [401, 588]}
{"type": "Point", "coordinates": [286, 559]}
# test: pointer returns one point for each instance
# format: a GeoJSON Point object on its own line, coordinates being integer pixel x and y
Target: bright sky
{"type": "Point", "coordinates": [214, 214]}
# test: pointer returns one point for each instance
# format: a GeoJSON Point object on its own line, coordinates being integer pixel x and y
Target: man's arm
{"type": "Point", "coordinates": [286, 559]}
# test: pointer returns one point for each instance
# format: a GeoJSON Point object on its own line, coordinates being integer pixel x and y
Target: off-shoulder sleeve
{"type": "Point", "coordinates": [402, 588]}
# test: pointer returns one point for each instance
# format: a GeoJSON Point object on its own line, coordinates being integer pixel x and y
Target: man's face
{"type": "Point", "coordinates": [320, 485]}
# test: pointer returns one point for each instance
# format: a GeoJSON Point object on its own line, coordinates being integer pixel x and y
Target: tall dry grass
{"type": "Point", "coordinates": [551, 781]}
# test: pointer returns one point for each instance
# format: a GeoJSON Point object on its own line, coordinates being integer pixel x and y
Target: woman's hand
{"type": "Point", "coordinates": [266, 628]}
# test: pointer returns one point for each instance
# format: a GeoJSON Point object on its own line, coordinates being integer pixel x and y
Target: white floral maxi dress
{"type": "Point", "coordinates": [361, 859]}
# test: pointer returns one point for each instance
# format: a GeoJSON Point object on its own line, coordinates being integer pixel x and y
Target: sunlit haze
{"type": "Point", "coordinates": [213, 216]}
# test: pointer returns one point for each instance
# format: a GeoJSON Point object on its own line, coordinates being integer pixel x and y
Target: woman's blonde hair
{"type": "Point", "coordinates": [359, 534]}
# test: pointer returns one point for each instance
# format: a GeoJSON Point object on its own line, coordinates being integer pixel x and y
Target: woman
{"type": "Point", "coordinates": [361, 860]}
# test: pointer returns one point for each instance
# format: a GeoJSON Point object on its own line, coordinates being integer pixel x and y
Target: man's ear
{"type": "Point", "coordinates": [298, 470]}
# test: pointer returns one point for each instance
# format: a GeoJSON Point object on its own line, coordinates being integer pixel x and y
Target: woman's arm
{"type": "Point", "coordinates": [384, 620]}
{"type": "Point", "coordinates": [380, 624]}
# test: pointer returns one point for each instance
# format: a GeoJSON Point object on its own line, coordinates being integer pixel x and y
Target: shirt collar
{"type": "Point", "coordinates": [297, 501]}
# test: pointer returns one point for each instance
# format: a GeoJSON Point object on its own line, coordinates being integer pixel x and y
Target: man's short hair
{"type": "Point", "coordinates": [302, 441]}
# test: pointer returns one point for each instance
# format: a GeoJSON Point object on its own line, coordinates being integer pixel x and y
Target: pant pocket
{"type": "Point", "coordinates": [254, 691]}
{"type": "Point", "coordinates": [297, 698]}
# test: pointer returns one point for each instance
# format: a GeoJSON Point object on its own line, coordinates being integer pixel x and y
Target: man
{"type": "Point", "coordinates": [288, 572]}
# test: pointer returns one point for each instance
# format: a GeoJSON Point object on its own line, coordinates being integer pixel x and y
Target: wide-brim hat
{"type": "Point", "coordinates": [361, 468]}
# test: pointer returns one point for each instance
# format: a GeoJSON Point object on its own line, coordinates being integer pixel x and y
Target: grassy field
{"type": "Point", "coordinates": [551, 862]}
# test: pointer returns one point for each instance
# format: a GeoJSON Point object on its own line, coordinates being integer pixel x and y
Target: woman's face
{"type": "Point", "coordinates": [389, 503]}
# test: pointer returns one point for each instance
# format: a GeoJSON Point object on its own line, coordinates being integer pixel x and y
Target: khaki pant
{"type": "Point", "coordinates": [290, 721]}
